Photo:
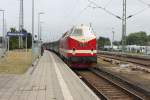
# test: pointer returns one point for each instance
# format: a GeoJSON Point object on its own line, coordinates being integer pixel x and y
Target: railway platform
{"type": "Point", "coordinates": [51, 79]}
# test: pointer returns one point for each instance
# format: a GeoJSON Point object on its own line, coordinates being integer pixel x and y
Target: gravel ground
{"type": "Point", "coordinates": [140, 78]}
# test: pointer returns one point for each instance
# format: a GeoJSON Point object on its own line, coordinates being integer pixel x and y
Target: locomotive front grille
{"type": "Point", "coordinates": [83, 44]}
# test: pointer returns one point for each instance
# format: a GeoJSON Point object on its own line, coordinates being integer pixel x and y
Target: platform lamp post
{"type": "Point", "coordinates": [3, 11]}
{"type": "Point", "coordinates": [124, 24]}
{"type": "Point", "coordinates": [40, 35]}
{"type": "Point", "coordinates": [113, 33]}
{"type": "Point", "coordinates": [39, 30]}
{"type": "Point", "coordinates": [32, 31]}
{"type": "Point", "coordinates": [39, 24]}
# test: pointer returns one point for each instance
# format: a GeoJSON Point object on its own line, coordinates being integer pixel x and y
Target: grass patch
{"type": "Point", "coordinates": [16, 62]}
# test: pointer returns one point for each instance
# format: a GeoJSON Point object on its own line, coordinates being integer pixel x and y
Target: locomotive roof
{"type": "Point", "coordinates": [82, 27]}
{"type": "Point", "coordinates": [82, 30]}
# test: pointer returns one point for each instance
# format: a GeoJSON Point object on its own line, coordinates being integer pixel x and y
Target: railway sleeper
{"type": "Point", "coordinates": [113, 96]}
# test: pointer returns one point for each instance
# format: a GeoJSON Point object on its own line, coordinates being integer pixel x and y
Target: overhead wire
{"type": "Point", "coordinates": [94, 5]}
{"type": "Point", "coordinates": [107, 3]}
{"type": "Point", "coordinates": [141, 11]}
{"type": "Point", "coordinates": [90, 3]}
{"type": "Point", "coordinates": [103, 8]}
{"type": "Point", "coordinates": [84, 9]}
{"type": "Point", "coordinates": [144, 2]}
{"type": "Point", "coordinates": [80, 13]}
{"type": "Point", "coordinates": [71, 11]}
{"type": "Point", "coordinates": [137, 13]}
{"type": "Point", "coordinates": [109, 12]}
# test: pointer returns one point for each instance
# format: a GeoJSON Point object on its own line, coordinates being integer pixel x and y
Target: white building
{"type": "Point", "coordinates": [131, 48]}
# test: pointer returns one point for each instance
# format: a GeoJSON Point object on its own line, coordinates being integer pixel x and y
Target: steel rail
{"type": "Point", "coordinates": [136, 91]}
{"type": "Point", "coordinates": [128, 59]}
{"type": "Point", "coordinates": [130, 93]}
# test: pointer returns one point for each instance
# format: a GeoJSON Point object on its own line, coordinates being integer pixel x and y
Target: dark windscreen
{"type": "Point", "coordinates": [77, 32]}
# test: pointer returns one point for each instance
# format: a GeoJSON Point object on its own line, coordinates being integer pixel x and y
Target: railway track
{"type": "Point", "coordinates": [139, 61]}
{"type": "Point", "coordinates": [134, 63]}
{"type": "Point", "coordinates": [108, 88]}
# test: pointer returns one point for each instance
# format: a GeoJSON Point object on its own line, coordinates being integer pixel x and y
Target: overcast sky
{"type": "Point", "coordinates": [61, 15]}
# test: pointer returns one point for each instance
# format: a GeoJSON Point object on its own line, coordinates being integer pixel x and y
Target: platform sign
{"type": "Point", "coordinates": [17, 34]}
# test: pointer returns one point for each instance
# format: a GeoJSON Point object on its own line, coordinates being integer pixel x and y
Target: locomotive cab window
{"type": "Point", "coordinates": [87, 32]}
{"type": "Point", "coordinates": [77, 32]}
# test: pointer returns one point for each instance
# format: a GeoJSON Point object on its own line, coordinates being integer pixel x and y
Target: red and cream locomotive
{"type": "Point", "coordinates": [78, 47]}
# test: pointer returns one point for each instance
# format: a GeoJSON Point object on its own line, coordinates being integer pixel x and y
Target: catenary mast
{"type": "Point", "coordinates": [124, 26]}
{"type": "Point", "coordinates": [21, 23]}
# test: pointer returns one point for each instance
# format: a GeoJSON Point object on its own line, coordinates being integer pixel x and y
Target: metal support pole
{"type": "Point", "coordinates": [39, 31]}
{"type": "Point", "coordinates": [3, 31]}
{"type": "Point", "coordinates": [32, 30]}
{"type": "Point", "coordinates": [38, 27]}
{"type": "Point", "coordinates": [113, 33]}
{"type": "Point", "coordinates": [40, 38]}
{"type": "Point", "coordinates": [8, 43]}
{"type": "Point", "coordinates": [21, 23]}
{"type": "Point", "coordinates": [26, 42]}
{"type": "Point", "coordinates": [3, 23]}
{"type": "Point", "coordinates": [3, 35]}
{"type": "Point", "coordinates": [124, 26]}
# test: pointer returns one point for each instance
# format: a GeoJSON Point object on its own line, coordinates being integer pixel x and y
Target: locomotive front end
{"type": "Point", "coordinates": [82, 50]}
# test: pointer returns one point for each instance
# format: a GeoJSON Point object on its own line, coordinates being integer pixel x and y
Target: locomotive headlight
{"type": "Point", "coordinates": [73, 51]}
{"type": "Point", "coordinates": [92, 51]}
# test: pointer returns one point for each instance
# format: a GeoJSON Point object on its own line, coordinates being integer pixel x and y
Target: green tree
{"type": "Point", "coordinates": [137, 38]}
{"type": "Point", "coordinates": [117, 43]}
{"type": "Point", "coordinates": [102, 41]}
{"type": "Point", "coordinates": [148, 38]}
{"type": "Point", "coordinates": [13, 29]}
{"type": "Point", "coordinates": [14, 40]}
{"type": "Point", "coordinates": [29, 41]}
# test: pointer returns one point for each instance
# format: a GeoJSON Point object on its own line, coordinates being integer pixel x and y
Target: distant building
{"type": "Point", "coordinates": [114, 47]}
{"type": "Point", "coordinates": [130, 48]}
{"type": "Point", "coordinates": [138, 49]}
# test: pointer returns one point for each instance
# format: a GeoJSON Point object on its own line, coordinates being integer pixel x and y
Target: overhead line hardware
{"type": "Point", "coordinates": [109, 12]}
{"type": "Point", "coordinates": [144, 3]}
{"type": "Point", "coordinates": [103, 8]}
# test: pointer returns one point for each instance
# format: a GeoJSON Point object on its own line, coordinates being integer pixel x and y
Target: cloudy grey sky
{"type": "Point", "coordinates": [61, 15]}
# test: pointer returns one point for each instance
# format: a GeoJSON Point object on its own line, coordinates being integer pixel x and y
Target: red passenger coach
{"type": "Point", "coordinates": [78, 47]}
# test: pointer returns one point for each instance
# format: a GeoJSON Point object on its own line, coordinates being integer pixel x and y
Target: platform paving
{"type": "Point", "coordinates": [51, 79]}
